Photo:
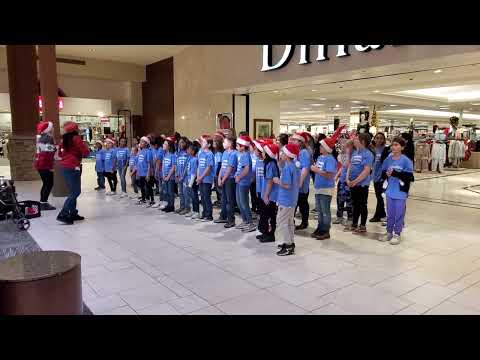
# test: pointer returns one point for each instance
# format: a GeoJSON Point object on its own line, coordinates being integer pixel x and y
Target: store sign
{"type": "Point", "coordinates": [104, 120]}
{"type": "Point", "coordinates": [40, 103]}
{"type": "Point", "coordinates": [322, 50]}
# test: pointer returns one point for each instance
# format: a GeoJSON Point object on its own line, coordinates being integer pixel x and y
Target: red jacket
{"type": "Point", "coordinates": [45, 152]}
{"type": "Point", "coordinates": [73, 157]}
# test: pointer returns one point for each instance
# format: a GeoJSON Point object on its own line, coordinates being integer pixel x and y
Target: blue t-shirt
{"type": "Point", "coordinates": [329, 164]}
{"type": "Point", "coordinates": [290, 175]}
{"type": "Point", "coordinates": [377, 164]}
{"type": "Point", "coordinates": [271, 171]}
{"type": "Point", "coordinates": [206, 159]}
{"type": "Point", "coordinates": [100, 160]}
{"type": "Point", "coordinates": [132, 162]}
{"type": "Point", "coordinates": [404, 164]}
{"type": "Point", "coordinates": [182, 158]}
{"type": "Point", "coordinates": [169, 160]}
{"type": "Point", "coordinates": [218, 161]}
{"type": "Point", "coordinates": [192, 166]}
{"type": "Point", "coordinates": [258, 168]}
{"type": "Point", "coordinates": [305, 159]}
{"type": "Point", "coordinates": [229, 158]}
{"type": "Point", "coordinates": [110, 156]}
{"type": "Point", "coordinates": [360, 159]}
{"type": "Point", "coordinates": [143, 158]}
{"type": "Point", "coordinates": [122, 157]}
{"type": "Point", "coordinates": [244, 159]}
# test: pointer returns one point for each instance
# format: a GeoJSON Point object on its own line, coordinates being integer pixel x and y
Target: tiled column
{"type": "Point", "coordinates": [23, 89]}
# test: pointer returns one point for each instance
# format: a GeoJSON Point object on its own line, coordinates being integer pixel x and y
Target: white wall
{"type": "Point", "coordinates": [262, 107]}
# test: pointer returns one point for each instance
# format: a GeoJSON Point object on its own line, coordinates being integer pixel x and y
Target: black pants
{"type": "Point", "coordinates": [304, 207]}
{"type": "Point", "coordinates": [47, 184]}
{"type": "Point", "coordinates": [142, 184]}
{"type": "Point", "coordinates": [359, 201]}
{"type": "Point", "coordinates": [268, 218]}
{"type": "Point", "coordinates": [254, 198]}
{"type": "Point", "coordinates": [380, 210]}
{"type": "Point", "coordinates": [112, 180]}
{"type": "Point", "coordinates": [149, 188]}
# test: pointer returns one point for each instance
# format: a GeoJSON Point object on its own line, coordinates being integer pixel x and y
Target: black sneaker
{"type": "Point", "coordinates": [220, 221]}
{"type": "Point", "coordinates": [286, 250]}
{"type": "Point", "coordinates": [97, 188]}
{"type": "Point", "coordinates": [65, 219]}
{"type": "Point", "coordinates": [316, 233]}
{"type": "Point", "coordinates": [375, 220]}
{"type": "Point", "coordinates": [207, 219]}
{"type": "Point", "coordinates": [169, 209]}
{"type": "Point", "coordinates": [301, 227]}
{"type": "Point", "coordinates": [229, 225]}
{"type": "Point", "coordinates": [46, 206]}
{"type": "Point", "coordinates": [267, 239]}
{"type": "Point", "coordinates": [78, 218]}
{"type": "Point", "coordinates": [261, 236]}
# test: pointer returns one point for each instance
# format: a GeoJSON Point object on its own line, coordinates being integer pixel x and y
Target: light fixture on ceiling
{"type": "Point", "coordinates": [337, 106]}
{"type": "Point", "coordinates": [183, 117]}
{"type": "Point", "coordinates": [91, 50]}
{"type": "Point", "coordinates": [355, 101]}
{"type": "Point", "coordinates": [314, 90]}
{"type": "Point", "coordinates": [276, 91]}
{"type": "Point", "coordinates": [317, 104]}
{"type": "Point", "coordinates": [79, 113]}
{"type": "Point", "coordinates": [100, 114]}
{"type": "Point", "coordinates": [475, 104]}
{"type": "Point", "coordinates": [376, 91]}
{"type": "Point", "coordinates": [438, 71]}
{"type": "Point", "coordinates": [359, 107]}
{"type": "Point", "coordinates": [304, 108]}
{"type": "Point", "coordinates": [393, 105]}
{"type": "Point", "coordinates": [322, 99]}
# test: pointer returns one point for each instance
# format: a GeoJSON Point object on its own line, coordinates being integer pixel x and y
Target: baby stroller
{"type": "Point", "coordinates": [9, 204]}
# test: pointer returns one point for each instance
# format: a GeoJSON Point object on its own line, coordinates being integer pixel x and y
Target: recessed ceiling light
{"type": "Point", "coordinates": [317, 104]}
{"type": "Point", "coordinates": [304, 108]}
{"type": "Point", "coordinates": [92, 50]}
{"type": "Point", "coordinates": [438, 71]}
{"type": "Point", "coordinates": [475, 104]}
{"type": "Point", "coordinates": [337, 106]}
{"type": "Point", "coordinates": [276, 91]}
{"type": "Point", "coordinates": [393, 105]}
{"type": "Point", "coordinates": [183, 117]}
{"type": "Point", "coordinates": [100, 114]}
{"type": "Point", "coordinates": [314, 90]}
{"type": "Point", "coordinates": [355, 101]}
{"type": "Point", "coordinates": [376, 91]}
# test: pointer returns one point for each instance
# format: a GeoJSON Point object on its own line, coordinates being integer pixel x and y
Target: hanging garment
{"type": "Point", "coordinates": [439, 155]}
{"type": "Point", "coordinates": [422, 156]}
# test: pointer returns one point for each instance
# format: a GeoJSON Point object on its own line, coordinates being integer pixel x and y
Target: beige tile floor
{"type": "Point", "coordinates": [140, 261]}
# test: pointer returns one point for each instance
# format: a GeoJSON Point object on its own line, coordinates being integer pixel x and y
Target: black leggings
{"type": "Point", "coordinates": [142, 184]}
{"type": "Point", "coordinates": [254, 198]}
{"type": "Point", "coordinates": [268, 217]}
{"type": "Point", "coordinates": [47, 184]}
{"type": "Point", "coordinates": [380, 210]}
{"type": "Point", "coordinates": [304, 207]}
{"type": "Point", "coordinates": [112, 180]}
{"type": "Point", "coordinates": [149, 189]}
{"type": "Point", "coordinates": [359, 202]}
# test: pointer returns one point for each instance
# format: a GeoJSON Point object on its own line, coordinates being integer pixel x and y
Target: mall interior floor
{"type": "Point", "coordinates": [140, 261]}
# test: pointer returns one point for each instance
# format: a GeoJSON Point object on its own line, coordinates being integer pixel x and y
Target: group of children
{"type": "Point", "coordinates": [272, 176]}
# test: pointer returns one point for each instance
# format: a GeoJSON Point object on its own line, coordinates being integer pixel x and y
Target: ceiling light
{"type": "Point", "coordinates": [358, 107]}
{"type": "Point", "coordinates": [276, 91]}
{"type": "Point", "coordinates": [100, 114]}
{"type": "Point", "coordinates": [337, 106]}
{"type": "Point", "coordinates": [317, 104]}
{"type": "Point", "coordinates": [304, 108]}
{"type": "Point", "coordinates": [91, 50]}
{"type": "Point", "coordinates": [355, 101]}
{"type": "Point", "coordinates": [314, 90]}
{"type": "Point", "coordinates": [322, 99]}
{"type": "Point", "coordinates": [475, 104]}
{"type": "Point", "coordinates": [393, 105]}
{"type": "Point", "coordinates": [438, 71]}
{"type": "Point", "coordinates": [183, 117]}
{"type": "Point", "coordinates": [376, 91]}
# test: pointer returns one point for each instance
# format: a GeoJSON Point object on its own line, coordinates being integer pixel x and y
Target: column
{"type": "Point", "coordinates": [23, 90]}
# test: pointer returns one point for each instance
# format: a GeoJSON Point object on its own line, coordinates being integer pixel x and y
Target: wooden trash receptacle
{"type": "Point", "coordinates": [41, 283]}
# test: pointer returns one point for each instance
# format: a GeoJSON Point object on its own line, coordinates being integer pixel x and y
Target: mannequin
{"type": "Point", "coordinates": [364, 126]}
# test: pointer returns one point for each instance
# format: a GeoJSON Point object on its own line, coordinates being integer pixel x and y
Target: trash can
{"type": "Point", "coordinates": [41, 283]}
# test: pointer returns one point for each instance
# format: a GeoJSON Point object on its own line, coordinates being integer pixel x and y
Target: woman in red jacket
{"type": "Point", "coordinates": [72, 150]}
{"type": "Point", "coordinates": [44, 154]}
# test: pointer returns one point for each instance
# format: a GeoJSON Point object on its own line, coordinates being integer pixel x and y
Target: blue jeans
{"type": "Point", "coordinates": [206, 193]}
{"type": "Point", "coordinates": [243, 203]}
{"type": "Point", "coordinates": [122, 172]}
{"type": "Point", "coordinates": [73, 180]}
{"type": "Point", "coordinates": [191, 197]}
{"type": "Point", "coordinates": [168, 188]}
{"type": "Point", "coordinates": [228, 201]}
{"type": "Point", "coordinates": [323, 203]}
{"type": "Point", "coordinates": [101, 180]}
{"type": "Point", "coordinates": [181, 194]}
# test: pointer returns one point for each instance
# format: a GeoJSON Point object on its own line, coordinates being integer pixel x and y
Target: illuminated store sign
{"type": "Point", "coordinates": [342, 50]}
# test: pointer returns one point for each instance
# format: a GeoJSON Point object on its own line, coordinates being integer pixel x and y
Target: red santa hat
{"type": "Point", "coordinates": [111, 141]}
{"type": "Point", "coordinates": [244, 140]}
{"type": "Point", "coordinates": [259, 144]}
{"type": "Point", "coordinates": [145, 139]}
{"type": "Point", "coordinates": [44, 127]}
{"type": "Point", "coordinates": [291, 150]}
{"type": "Point", "coordinates": [171, 139]}
{"type": "Point", "coordinates": [301, 136]}
{"type": "Point", "coordinates": [272, 150]}
{"type": "Point", "coordinates": [329, 143]}
{"type": "Point", "coordinates": [70, 126]}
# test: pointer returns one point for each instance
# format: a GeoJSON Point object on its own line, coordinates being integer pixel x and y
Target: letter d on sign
{"type": "Point", "coordinates": [267, 57]}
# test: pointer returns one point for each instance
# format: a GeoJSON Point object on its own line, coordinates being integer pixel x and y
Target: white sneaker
{"type": "Point", "coordinates": [195, 216]}
{"type": "Point", "coordinates": [189, 214]}
{"type": "Point", "coordinates": [148, 205]}
{"type": "Point", "coordinates": [123, 194]}
{"type": "Point", "coordinates": [396, 239]}
{"type": "Point", "coordinates": [242, 225]}
{"type": "Point", "coordinates": [154, 206]}
{"type": "Point", "coordinates": [108, 193]}
{"type": "Point", "coordinates": [249, 228]}
{"type": "Point", "coordinates": [113, 193]}
{"type": "Point", "coordinates": [161, 207]}
{"type": "Point", "coordinates": [386, 237]}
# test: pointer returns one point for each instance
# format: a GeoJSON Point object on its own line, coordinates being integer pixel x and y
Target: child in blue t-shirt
{"type": "Point", "coordinates": [325, 170]}
{"type": "Point", "coordinates": [344, 200]}
{"type": "Point", "coordinates": [122, 163]}
{"type": "Point", "coordinates": [226, 182]}
{"type": "Point", "coordinates": [269, 192]}
{"type": "Point", "coordinates": [243, 179]}
{"type": "Point", "coordinates": [191, 186]}
{"type": "Point", "coordinates": [111, 166]}
{"type": "Point", "coordinates": [100, 165]}
{"type": "Point", "coordinates": [218, 153]}
{"type": "Point", "coordinates": [180, 173]}
{"type": "Point", "coordinates": [168, 174]}
{"type": "Point", "coordinates": [288, 184]}
{"type": "Point", "coordinates": [254, 197]}
{"type": "Point", "coordinates": [132, 165]}
{"type": "Point", "coordinates": [397, 170]}
{"type": "Point", "coordinates": [205, 179]}
{"type": "Point", "coordinates": [142, 168]}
